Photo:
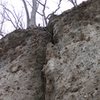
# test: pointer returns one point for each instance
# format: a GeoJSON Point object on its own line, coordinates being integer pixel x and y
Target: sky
{"type": "Point", "coordinates": [51, 6]}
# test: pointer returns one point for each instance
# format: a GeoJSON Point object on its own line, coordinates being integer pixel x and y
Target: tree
{"type": "Point", "coordinates": [34, 7]}
{"type": "Point", "coordinates": [16, 18]}
{"type": "Point", "coordinates": [7, 15]}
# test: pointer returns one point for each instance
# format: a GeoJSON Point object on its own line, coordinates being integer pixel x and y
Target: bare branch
{"type": "Point", "coordinates": [74, 2]}
{"type": "Point", "coordinates": [15, 17]}
{"type": "Point", "coordinates": [55, 9]}
{"type": "Point", "coordinates": [11, 16]}
{"type": "Point", "coordinates": [44, 16]}
{"type": "Point", "coordinates": [1, 25]}
{"type": "Point", "coordinates": [8, 18]}
{"type": "Point", "coordinates": [27, 13]}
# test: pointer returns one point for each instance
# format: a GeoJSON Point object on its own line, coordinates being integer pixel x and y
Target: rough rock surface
{"type": "Point", "coordinates": [73, 68]}
{"type": "Point", "coordinates": [22, 56]}
{"type": "Point", "coordinates": [66, 66]}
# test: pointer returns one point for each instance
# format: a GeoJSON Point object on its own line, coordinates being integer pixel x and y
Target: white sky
{"type": "Point", "coordinates": [51, 6]}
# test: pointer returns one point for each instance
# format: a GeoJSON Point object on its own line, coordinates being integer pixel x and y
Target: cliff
{"type": "Point", "coordinates": [22, 58]}
{"type": "Point", "coordinates": [59, 62]}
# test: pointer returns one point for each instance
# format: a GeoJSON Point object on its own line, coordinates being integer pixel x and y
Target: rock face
{"type": "Point", "coordinates": [62, 64]}
{"type": "Point", "coordinates": [22, 56]}
{"type": "Point", "coordinates": [73, 68]}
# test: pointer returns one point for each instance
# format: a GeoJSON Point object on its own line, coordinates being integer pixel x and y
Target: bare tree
{"type": "Point", "coordinates": [31, 21]}
{"type": "Point", "coordinates": [11, 16]}
{"type": "Point", "coordinates": [45, 18]}
{"type": "Point", "coordinates": [43, 11]}
{"type": "Point", "coordinates": [16, 19]}
{"type": "Point", "coordinates": [34, 7]}
{"type": "Point", "coordinates": [55, 10]}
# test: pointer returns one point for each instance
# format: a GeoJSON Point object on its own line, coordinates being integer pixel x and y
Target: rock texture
{"type": "Point", "coordinates": [73, 68]}
{"type": "Point", "coordinates": [59, 62]}
{"type": "Point", "coordinates": [22, 55]}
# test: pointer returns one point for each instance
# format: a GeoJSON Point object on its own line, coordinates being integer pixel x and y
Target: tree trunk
{"type": "Point", "coordinates": [33, 13]}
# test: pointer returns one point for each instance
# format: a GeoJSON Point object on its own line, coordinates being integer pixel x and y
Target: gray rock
{"type": "Point", "coordinates": [73, 69]}
{"type": "Point", "coordinates": [21, 62]}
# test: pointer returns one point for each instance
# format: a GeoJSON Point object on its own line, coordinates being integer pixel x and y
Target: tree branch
{"type": "Point", "coordinates": [27, 13]}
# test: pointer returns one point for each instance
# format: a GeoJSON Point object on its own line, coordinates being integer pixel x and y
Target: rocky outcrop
{"type": "Point", "coordinates": [59, 62]}
{"type": "Point", "coordinates": [73, 69]}
{"type": "Point", "coordinates": [22, 55]}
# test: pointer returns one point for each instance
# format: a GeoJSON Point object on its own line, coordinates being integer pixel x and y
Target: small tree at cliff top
{"type": "Point", "coordinates": [17, 19]}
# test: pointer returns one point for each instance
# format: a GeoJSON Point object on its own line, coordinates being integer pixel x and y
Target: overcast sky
{"type": "Point", "coordinates": [51, 6]}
